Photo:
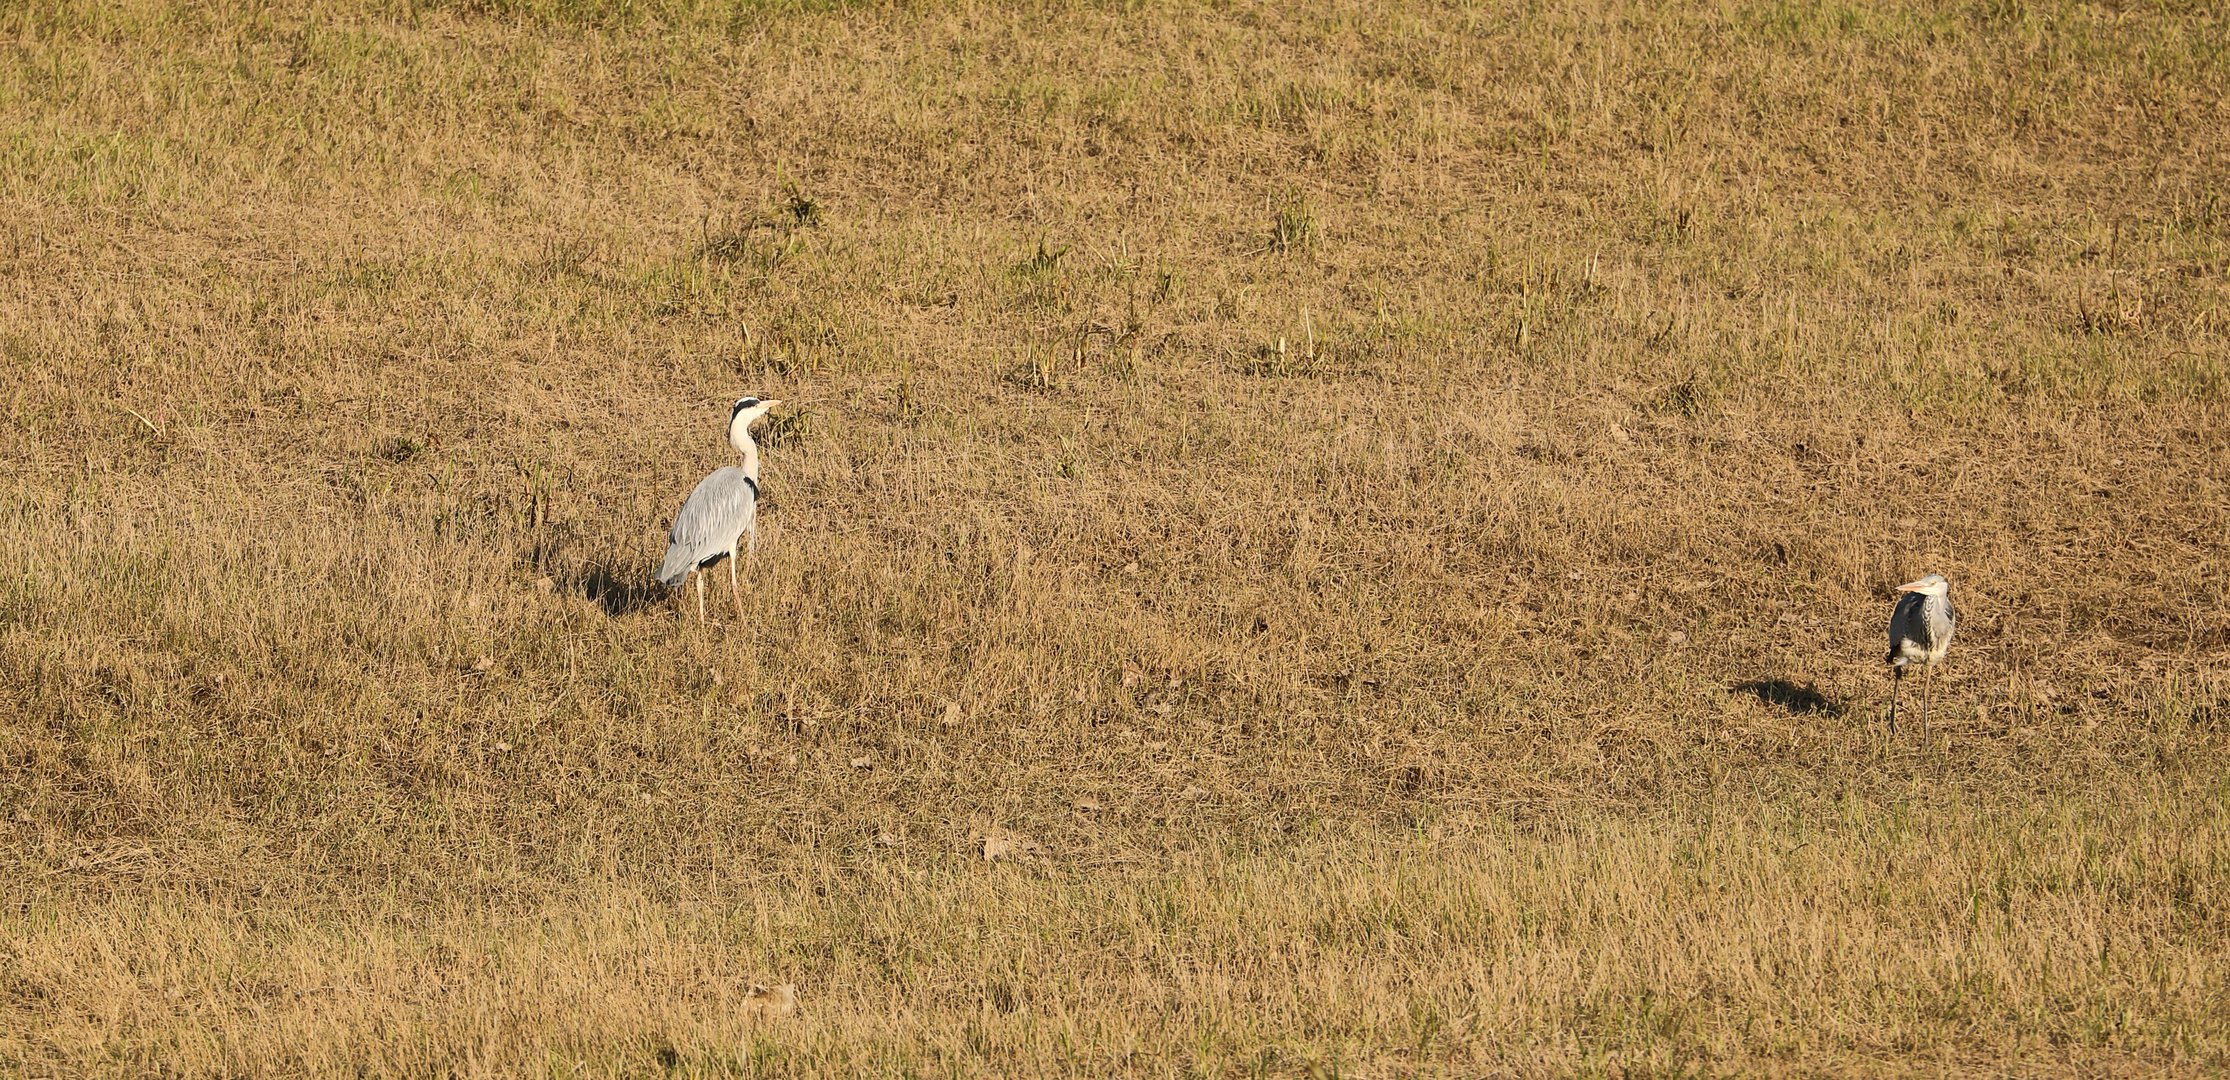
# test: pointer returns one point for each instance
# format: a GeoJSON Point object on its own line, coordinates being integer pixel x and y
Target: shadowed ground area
{"type": "Point", "coordinates": [1784, 694]}
{"type": "Point", "coordinates": [1304, 540]}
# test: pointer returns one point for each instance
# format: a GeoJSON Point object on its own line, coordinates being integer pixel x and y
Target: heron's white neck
{"type": "Point", "coordinates": [739, 436]}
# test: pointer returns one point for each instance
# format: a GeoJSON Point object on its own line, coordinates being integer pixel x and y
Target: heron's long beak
{"type": "Point", "coordinates": [1912, 586]}
{"type": "Point", "coordinates": [771, 405]}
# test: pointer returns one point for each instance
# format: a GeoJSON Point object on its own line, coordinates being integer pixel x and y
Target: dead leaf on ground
{"type": "Point", "coordinates": [771, 1001]}
{"type": "Point", "coordinates": [1005, 846]}
{"type": "Point", "coordinates": [863, 762]}
{"type": "Point", "coordinates": [483, 665]}
{"type": "Point", "coordinates": [952, 714]}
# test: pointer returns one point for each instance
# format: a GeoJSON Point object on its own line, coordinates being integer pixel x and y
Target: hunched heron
{"type": "Point", "coordinates": [720, 513]}
{"type": "Point", "coordinates": [1920, 629]}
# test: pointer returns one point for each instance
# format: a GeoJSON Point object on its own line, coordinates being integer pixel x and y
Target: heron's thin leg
{"type": "Point", "coordinates": [1896, 679]}
{"type": "Point", "coordinates": [700, 596]}
{"type": "Point", "coordinates": [1927, 692]}
{"type": "Point", "coordinates": [735, 591]}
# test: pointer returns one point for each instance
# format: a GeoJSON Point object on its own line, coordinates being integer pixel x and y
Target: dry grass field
{"type": "Point", "coordinates": [1381, 517]}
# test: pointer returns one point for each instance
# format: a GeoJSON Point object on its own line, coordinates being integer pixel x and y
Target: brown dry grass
{"type": "Point", "coordinates": [1483, 681]}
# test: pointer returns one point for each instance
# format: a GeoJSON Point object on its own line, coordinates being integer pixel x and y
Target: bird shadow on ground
{"type": "Point", "coordinates": [618, 591]}
{"type": "Point", "coordinates": [619, 586]}
{"type": "Point", "coordinates": [1801, 700]}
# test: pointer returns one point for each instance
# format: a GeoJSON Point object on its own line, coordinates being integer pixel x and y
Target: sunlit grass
{"type": "Point", "coordinates": [1382, 519]}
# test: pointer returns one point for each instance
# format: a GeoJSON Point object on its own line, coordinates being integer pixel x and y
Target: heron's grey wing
{"type": "Point", "coordinates": [1908, 622]}
{"type": "Point", "coordinates": [711, 519]}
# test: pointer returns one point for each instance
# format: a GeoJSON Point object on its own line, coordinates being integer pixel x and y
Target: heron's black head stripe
{"type": "Point", "coordinates": [741, 405]}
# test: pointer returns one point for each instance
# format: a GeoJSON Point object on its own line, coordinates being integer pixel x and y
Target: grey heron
{"type": "Point", "coordinates": [1920, 629]}
{"type": "Point", "coordinates": [720, 513]}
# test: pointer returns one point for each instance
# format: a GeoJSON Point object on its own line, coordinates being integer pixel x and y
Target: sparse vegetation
{"type": "Point", "coordinates": [1293, 229]}
{"type": "Point", "coordinates": [1486, 681]}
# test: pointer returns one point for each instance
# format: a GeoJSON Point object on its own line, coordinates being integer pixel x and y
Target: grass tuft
{"type": "Point", "coordinates": [1293, 228]}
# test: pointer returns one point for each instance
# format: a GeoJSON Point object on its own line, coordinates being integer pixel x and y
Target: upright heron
{"type": "Point", "coordinates": [1920, 630]}
{"type": "Point", "coordinates": [723, 510]}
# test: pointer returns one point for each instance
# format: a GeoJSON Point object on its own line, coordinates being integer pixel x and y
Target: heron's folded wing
{"type": "Point", "coordinates": [709, 522]}
{"type": "Point", "coordinates": [1908, 622]}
